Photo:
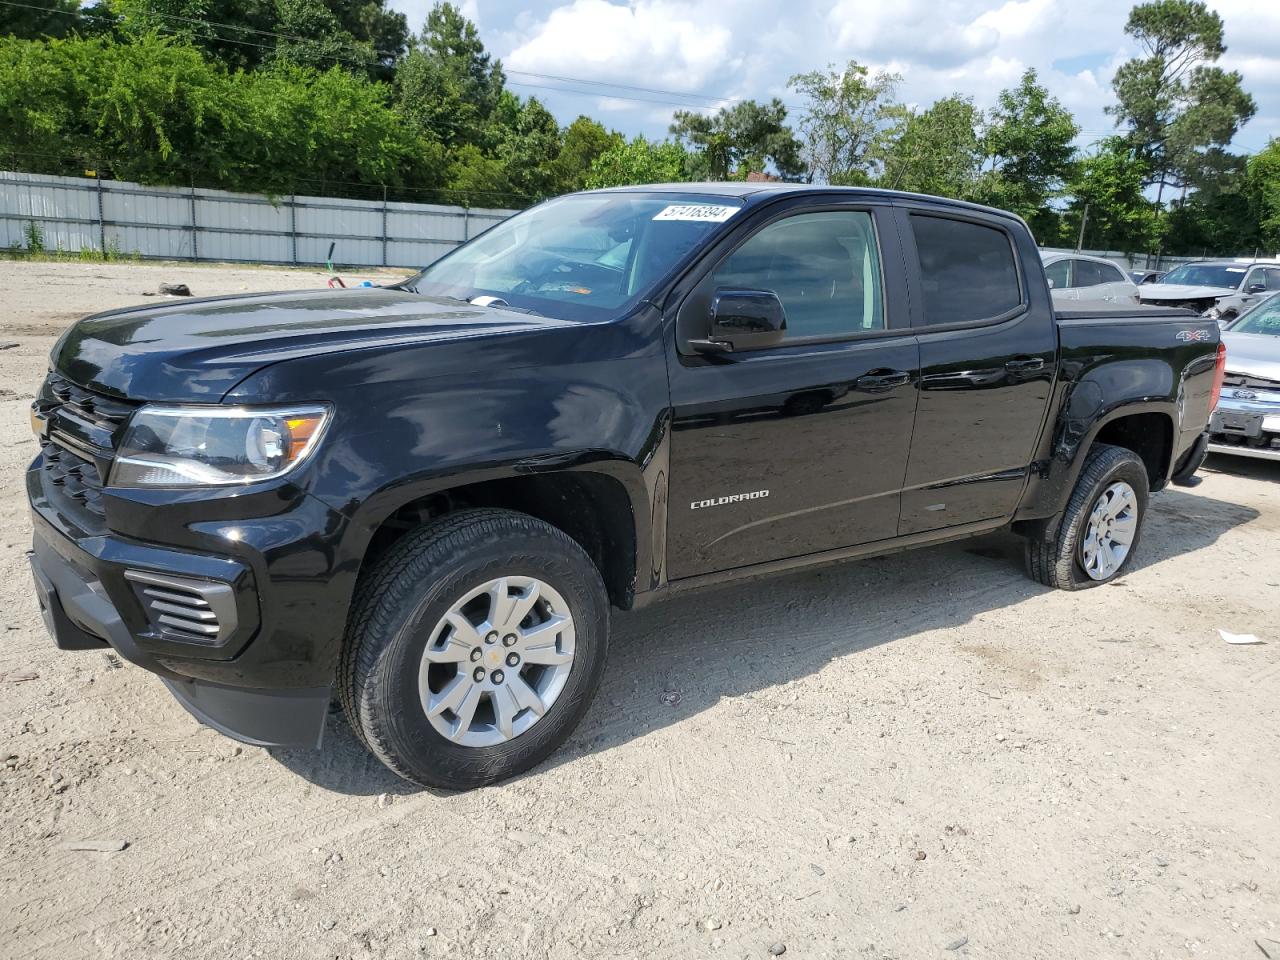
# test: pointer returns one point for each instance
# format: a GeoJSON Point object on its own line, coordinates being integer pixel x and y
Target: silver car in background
{"type": "Point", "coordinates": [1219, 289]}
{"type": "Point", "coordinates": [1246, 422]}
{"type": "Point", "coordinates": [1075, 278]}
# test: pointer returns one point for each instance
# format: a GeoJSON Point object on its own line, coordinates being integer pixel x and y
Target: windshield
{"type": "Point", "coordinates": [580, 257]}
{"type": "Point", "coordinates": [1206, 275]}
{"type": "Point", "coordinates": [1264, 318]}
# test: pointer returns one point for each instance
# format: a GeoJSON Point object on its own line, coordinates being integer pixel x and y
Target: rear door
{"type": "Point", "coordinates": [800, 447]}
{"type": "Point", "coordinates": [1117, 286]}
{"type": "Point", "coordinates": [1088, 281]}
{"type": "Point", "coordinates": [988, 351]}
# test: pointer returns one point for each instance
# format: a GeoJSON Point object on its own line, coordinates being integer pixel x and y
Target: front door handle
{"type": "Point", "coordinates": [1026, 365]}
{"type": "Point", "coordinates": [879, 381]}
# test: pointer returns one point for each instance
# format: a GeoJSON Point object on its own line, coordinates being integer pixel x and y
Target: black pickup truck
{"type": "Point", "coordinates": [426, 497]}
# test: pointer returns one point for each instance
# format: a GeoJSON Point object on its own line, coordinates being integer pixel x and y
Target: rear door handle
{"type": "Point", "coordinates": [1027, 365]}
{"type": "Point", "coordinates": [882, 380]}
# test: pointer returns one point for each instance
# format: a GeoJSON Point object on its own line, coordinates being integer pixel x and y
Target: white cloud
{"type": "Point", "coordinates": [651, 43]}
{"type": "Point", "coordinates": [748, 48]}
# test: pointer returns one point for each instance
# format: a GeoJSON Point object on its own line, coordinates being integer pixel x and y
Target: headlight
{"type": "Point", "coordinates": [214, 446]}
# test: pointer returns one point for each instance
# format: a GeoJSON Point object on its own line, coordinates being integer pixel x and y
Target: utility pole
{"type": "Point", "coordinates": [1084, 218]}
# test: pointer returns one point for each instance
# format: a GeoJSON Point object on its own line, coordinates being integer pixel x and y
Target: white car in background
{"type": "Point", "coordinates": [1217, 288]}
{"type": "Point", "coordinates": [1075, 277]}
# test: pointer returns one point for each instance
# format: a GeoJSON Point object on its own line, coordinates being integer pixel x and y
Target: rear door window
{"type": "Point", "coordinates": [967, 270]}
{"type": "Point", "coordinates": [1112, 274]}
{"type": "Point", "coordinates": [1089, 274]}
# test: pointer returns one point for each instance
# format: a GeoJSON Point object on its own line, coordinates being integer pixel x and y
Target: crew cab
{"type": "Point", "coordinates": [425, 498]}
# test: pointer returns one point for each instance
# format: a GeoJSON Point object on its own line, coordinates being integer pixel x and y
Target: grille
{"type": "Point", "coordinates": [83, 430]}
{"type": "Point", "coordinates": [78, 479]}
{"type": "Point", "coordinates": [188, 610]}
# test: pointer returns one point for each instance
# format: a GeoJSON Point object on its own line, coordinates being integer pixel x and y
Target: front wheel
{"type": "Point", "coordinates": [474, 648]}
{"type": "Point", "coordinates": [1100, 527]}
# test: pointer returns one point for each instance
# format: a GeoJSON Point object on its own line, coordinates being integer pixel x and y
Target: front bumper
{"type": "Point", "coordinates": [1245, 427]}
{"type": "Point", "coordinates": [256, 682]}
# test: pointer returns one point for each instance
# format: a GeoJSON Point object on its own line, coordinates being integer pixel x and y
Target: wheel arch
{"type": "Point", "coordinates": [603, 507]}
{"type": "Point", "coordinates": [1146, 427]}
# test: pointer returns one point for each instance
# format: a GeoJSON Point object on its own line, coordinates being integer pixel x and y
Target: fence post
{"type": "Point", "coordinates": [195, 242]}
{"type": "Point", "coordinates": [102, 221]}
{"type": "Point", "coordinates": [466, 224]}
{"type": "Point", "coordinates": [293, 228]}
{"type": "Point", "coordinates": [384, 224]}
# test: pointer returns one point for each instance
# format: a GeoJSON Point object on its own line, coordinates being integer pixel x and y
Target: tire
{"type": "Point", "coordinates": [385, 683]}
{"type": "Point", "coordinates": [1060, 562]}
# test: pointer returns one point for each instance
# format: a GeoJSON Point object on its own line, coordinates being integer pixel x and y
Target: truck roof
{"type": "Point", "coordinates": [759, 191]}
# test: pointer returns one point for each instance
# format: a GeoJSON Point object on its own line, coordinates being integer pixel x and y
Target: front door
{"type": "Point", "coordinates": [800, 447]}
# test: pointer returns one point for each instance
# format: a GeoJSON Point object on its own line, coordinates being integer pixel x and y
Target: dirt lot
{"type": "Point", "coordinates": [921, 756]}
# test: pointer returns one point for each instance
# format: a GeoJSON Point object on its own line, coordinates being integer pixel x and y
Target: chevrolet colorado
{"type": "Point", "coordinates": [426, 497]}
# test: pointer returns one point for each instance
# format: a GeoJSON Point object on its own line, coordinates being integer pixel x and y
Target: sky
{"type": "Point", "coordinates": [709, 53]}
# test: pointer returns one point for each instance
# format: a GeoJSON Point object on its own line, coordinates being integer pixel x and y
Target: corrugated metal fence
{"type": "Point", "coordinates": [177, 223]}
{"type": "Point", "coordinates": [1132, 261]}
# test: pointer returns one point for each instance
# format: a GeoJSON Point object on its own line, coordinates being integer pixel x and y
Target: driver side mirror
{"type": "Point", "coordinates": [743, 320]}
{"type": "Point", "coordinates": [1257, 287]}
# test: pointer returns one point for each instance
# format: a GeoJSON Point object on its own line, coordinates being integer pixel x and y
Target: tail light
{"type": "Point", "coordinates": [1219, 370]}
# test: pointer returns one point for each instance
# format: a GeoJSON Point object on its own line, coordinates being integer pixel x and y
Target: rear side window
{"type": "Point", "coordinates": [1089, 274]}
{"type": "Point", "coordinates": [1113, 274]}
{"type": "Point", "coordinates": [967, 270]}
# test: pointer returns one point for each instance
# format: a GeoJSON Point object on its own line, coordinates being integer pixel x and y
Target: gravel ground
{"type": "Point", "coordinates": [926, 755]}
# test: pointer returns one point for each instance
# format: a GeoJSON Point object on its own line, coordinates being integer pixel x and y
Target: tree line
{"type": "Point", "coordinates": [340, 97]}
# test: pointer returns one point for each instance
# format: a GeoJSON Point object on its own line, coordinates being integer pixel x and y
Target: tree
{"type": "Point", "coordinates": [1107, 189]}
{"type": "Point", "coordinates": [157, 111]}
{"type": "Point", "coordinates": [845, 120]}
{"type": "Point", "coordinates": [1263, 187]}
{"type": "Point", "coordinates": [447, 84]}
{"type": "Point", "coordinates": [581, 143]}
{"type": "Point", "coordinates": [361, 36]}
{"type": "Point", "coordinates": [739, 139]}
{"type": "Point", "coordinates": [312, 36]}
{"type": "Point", "coordinates": [528, 144]}
{"type": "Point", "coordinates": [1172, 103]}
{"type": "Point", "coordinates": [41, 18]}
{"type": "Point", "coordinates": [640, 161]}
{"type": "Point", "coordinates": [935, 150]}
{"type": "Point", "coordinates": [1028, 152]}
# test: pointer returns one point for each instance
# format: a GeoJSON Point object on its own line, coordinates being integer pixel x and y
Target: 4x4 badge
{"type": "Point", "coordinates": [1192, 336]}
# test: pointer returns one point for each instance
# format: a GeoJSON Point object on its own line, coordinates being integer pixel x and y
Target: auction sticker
{"type": "Point", "coordinates": [708, 212]}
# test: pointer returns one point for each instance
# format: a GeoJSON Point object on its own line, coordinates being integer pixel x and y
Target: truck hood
{"type": "Point", "coordinates": [197, 350]}
{"type": "Point", "coordinates": [1161, 292]}
{"type": "Point", "coordinates": [1253, 354]}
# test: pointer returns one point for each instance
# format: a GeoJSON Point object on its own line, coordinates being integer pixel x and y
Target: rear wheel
{"type": "Point", "coordinates": [474, 648]}
{"type": "Point", "coordinates": [1100, 527]}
